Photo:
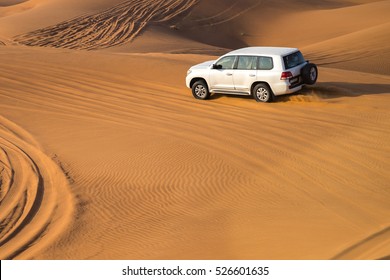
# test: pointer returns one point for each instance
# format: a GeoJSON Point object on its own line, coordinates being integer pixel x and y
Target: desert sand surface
{"type": "Point", "coordinates": [105, 154]}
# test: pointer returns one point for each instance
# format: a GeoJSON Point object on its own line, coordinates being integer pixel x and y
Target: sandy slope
{"type": "Point", "coordinates": [106, 155]}
{"type": "Point", "coordinates": [115, 26]}
{"type": "Point", "coordinates": [36, 203]}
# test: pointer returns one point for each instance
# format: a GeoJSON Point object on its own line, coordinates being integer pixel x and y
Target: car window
{"type": "Point", "coordinates": [293, 60]}
{"type": "Point", "coordinates": [246, 62]}
{"type": "Point", "coordinates": [265, 63]}
{"type": "Point", "coordinates": [226, 62]}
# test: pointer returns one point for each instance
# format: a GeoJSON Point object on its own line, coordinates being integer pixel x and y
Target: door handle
{"type": "Point", "coordinates": [229, 74]}
{"type": "Point", "coordinates": [252, 75]}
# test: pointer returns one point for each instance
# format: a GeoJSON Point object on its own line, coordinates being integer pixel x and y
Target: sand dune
{"type": "Point", "coordinates": [115, 26]}
{"type": "Point", "coordinates": [170, 188]}
{"type": "Point", "coordinates": [11, 7]}
{"type": "Point", "coordinates": [106, 154]}
{"type": "Point", "coordinates": [6, 3]}
{"type": "Point", "coordinates": [352, 52]}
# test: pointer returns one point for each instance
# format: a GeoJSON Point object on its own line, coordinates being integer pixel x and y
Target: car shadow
{"type": "Point", "coordinates": [321, 91]}
{"type": "Point", "coordinates": [216, 96]}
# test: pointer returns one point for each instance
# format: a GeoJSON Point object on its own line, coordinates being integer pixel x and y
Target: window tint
{"type": "Point", "coordinates": [226, 62]}
{"type": "Point", "coordinates": [293, 60]}
{"type": "Point", "coordinates": [246, 62]}
{"type": "Point", "coordinates": [265, 63]}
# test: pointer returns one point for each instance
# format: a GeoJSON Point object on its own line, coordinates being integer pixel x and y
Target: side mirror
{"type": "Point", "coordinates": [217, 66]}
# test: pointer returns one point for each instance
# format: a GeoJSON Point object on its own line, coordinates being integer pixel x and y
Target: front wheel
{"type": "Point", "coordinates": [262, 93]}
{"type": "Point", "coordinates": [200, 90]}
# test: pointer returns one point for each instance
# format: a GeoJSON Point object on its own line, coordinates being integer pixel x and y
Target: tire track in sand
{"type": "Point", "coordinates": [35, 202]}
{"type": "Point", "coordinates": [115, 26]}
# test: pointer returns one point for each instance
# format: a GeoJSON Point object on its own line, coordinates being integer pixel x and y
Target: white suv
{"type": "Point", "coordinates": [264, 72]}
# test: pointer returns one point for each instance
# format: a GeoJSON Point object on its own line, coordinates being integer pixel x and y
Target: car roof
{"type": "Point", "coordinates": [263, 51]}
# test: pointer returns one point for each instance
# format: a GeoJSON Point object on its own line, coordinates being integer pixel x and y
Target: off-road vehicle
{"type": "Point", "coordinates": [263, 72]}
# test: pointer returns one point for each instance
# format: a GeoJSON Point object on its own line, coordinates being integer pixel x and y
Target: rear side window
{"type": "Point", "coordinates": [246, 63]}
{"type": "Point", "coordinates": [265, 63]}
{"type": "Point", "coordinates": [294, 59]}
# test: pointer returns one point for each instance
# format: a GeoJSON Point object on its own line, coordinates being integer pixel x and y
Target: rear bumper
{"type": "Point", "coordinates": [286, 87]}
{"type": "Point", "coordinates": [295, 82]}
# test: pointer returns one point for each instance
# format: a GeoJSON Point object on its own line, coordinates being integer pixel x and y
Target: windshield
{"type": "Point", "coordinates": [293, 60]}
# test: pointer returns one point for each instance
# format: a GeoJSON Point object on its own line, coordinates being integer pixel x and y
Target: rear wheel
{"type": "Point", "coordinates": [200, 90]}
{"type": "Point", "coordinates": [309, 74]}
{"type": "Point", "coordinates": [262, 93]}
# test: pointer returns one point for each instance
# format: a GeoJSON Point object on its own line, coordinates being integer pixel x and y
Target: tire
{"type": "Point", "coordinates": [200, 90]}
{"type": "Point", "coordinates": [262, 93]}
{"type": "Point", "coordinates": [309, 74]}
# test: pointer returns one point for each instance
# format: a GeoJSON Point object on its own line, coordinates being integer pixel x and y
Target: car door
{"type": "Point", "coordinates": [245, 73]}
{"type": "Point", "coordinates": [221, 74]}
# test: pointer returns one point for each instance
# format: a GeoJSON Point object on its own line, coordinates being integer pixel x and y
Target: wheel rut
{"type": "Point", "coordinates": [36, 204]}
{"type": "Point", "coordinates": [112, 27]}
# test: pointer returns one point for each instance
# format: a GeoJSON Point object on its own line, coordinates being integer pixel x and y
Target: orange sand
{"type": "Point", "coordinates": [105, 154]}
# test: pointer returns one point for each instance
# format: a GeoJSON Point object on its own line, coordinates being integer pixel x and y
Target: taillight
{"type": "Point", "coordinates": [286, 75]}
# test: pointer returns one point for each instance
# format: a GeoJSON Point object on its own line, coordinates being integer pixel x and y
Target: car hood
{"type": "Point", "coordinates": [203, 65]}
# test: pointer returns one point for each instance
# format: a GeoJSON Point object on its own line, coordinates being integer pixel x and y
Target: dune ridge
{"type": "Point", "coordinates": [6, 3]}
{"type": "Point", "coordinates": [376, 242]}
{"type": "Point", "coordinates": [351, 52]}
{"type": "Point", "coordinates": [34, 195]}
{"type": "Point", "coordinates": [115, 26]}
